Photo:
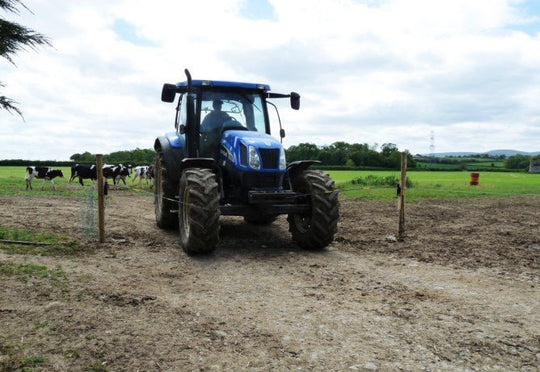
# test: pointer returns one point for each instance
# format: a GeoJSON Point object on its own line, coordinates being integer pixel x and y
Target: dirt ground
{"type": "Point", "coordinates": [460, 293]}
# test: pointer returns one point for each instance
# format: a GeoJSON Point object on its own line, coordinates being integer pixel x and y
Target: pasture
{"type": "Point", "coordinates": [440, 185]}
{"type": "Point", "coordinates": [12, 183]}
{"type": "Point", "coordinates": [425, 185]}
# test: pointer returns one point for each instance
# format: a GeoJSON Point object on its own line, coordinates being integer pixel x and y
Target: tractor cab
{"type": "Point", "coordinates": [208, 108]}
{"type": "Point", "coordinates": [222, 111]}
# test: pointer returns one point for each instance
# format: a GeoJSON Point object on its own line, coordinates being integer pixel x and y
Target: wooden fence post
{"type": "Point", "coordinates": [403, 182]}
{"type": "Point", "coordinates": [101, 198]}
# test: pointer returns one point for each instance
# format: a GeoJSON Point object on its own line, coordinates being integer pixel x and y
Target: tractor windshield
{"type": "Point", "coordinates": [227, 110]}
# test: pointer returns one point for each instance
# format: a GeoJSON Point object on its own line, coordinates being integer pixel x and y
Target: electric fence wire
{"type": "Point", "coordinates": [340, 190]}
{"type": "Point", "coordinates": [295, 196]}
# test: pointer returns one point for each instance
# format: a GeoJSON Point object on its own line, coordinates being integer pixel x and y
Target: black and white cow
{"type": "Point", "coordinates": [88, 171]}
{"type": "Point", "coordinates": [44, 173]}
{"type": "Point", "coordinates": [125, 171]}
{"type": "Point", "coordinates": [117, 173]}
{"type": "Point", "coordinates": [143, 172]}
{"type": "Point", "coordinates": [83, 171]}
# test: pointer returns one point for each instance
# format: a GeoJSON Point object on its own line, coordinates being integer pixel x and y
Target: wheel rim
{"type": "Point", "coordinates": [302, 223]}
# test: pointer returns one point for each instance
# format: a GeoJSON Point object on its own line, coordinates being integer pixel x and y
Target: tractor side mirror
{"type": "Point", "coordinates": [295, 100]}
{"type": "Point", "coordinates": [282, 133]}
{"type": "Point", "coordinates": [168, 92]}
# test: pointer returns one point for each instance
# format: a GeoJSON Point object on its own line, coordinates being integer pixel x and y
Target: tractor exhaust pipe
{"type": "Point", "coordinates": [188, 76]}
{"type": "Point", "coordinates": [191, 135]}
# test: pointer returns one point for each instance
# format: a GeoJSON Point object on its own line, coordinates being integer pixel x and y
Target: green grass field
{"type": "Point", "coordinates": [440, 185]}
{"type": "Point", "coordinates": [432, 185]}
{"type": "Point", "coordinates": [12, 182]}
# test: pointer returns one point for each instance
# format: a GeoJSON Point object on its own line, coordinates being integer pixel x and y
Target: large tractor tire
{"type": "Point", "coordinates": [315, 229]}
{"type": "Point", "coordinates": [164, 192]}
{"type": "Point", "coordinates": [198, 211]}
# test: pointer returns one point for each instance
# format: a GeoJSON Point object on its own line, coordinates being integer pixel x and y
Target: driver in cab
{"type": "Point", "coordinates": [215, 118]}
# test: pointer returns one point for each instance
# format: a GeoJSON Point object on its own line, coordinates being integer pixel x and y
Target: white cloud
{"type": "Point", "coordinates": [368, 71]}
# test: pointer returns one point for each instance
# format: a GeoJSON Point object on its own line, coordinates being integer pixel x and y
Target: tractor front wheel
{"type": "Point", "coordinates": [315, 229]}
{"type": "Point", "coordinates": [198, 211]}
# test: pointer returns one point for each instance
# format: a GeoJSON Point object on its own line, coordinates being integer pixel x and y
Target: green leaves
{"type": "Point", "coordinates": [13, 38]}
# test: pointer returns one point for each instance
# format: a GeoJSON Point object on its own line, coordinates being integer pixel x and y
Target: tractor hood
{"type": "Point", "coordinates": [252, 151]}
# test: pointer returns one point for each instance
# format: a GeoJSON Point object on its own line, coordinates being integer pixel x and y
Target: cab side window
{"type": "Point", "coordinates": [182, 113]}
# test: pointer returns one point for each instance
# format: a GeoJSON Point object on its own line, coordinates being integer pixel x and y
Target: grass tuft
{"type": "Point", "coordinates": [57, 245]}
{"type": "Point", "coordinates": [13, 358]}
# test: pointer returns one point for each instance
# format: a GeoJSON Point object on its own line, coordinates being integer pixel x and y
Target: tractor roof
{"type": "Point", "coordinates": [225, 84]}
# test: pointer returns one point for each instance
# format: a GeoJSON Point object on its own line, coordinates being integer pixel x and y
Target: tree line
{"type": "Point", "coordinates": [134, 157]}
{"type": "Point", "coordinates": [336, 155]}
{"type": "Point", "coordinates": [354, 155]}
{"type": "Point", "coordinates": [514, 162]}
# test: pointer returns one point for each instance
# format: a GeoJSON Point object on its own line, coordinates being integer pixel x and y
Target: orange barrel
{"type": "Point", "coordinates": [474, 179]}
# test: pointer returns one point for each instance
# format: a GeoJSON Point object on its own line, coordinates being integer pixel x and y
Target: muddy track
{"type": "Point", "coordinates": [459, 293]}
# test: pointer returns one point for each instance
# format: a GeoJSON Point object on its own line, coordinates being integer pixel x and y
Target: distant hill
{"type": "Point", "coordinates": [490, 153]}
{"type": "Point", "coordinates": [512, 153]}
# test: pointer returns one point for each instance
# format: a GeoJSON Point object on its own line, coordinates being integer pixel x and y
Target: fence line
{"type": "Point", "coordinates": [89, 222]}
{"type": "Point", "coordinates": [478, 192]}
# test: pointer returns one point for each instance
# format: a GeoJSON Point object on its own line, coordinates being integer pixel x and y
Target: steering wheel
{"type": "Point", "coordinates": [232, 124]}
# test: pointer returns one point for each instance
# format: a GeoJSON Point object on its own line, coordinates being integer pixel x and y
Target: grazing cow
{"type": "Point", "coordinates": [44, 173]}
{"type": "Point", "coordinates": [125, 171]}
{"type": "Point", "coordinates": [143, 172]}
{"type": "Point", "coordinates": [116, 172]}
{"type": "Point", "coordinates": [83, 171]}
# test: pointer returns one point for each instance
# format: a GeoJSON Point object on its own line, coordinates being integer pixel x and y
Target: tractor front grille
{"type": "Point", "coordinates": [262, 180]}
{"type": "Point", "coordinates": [270, 158]}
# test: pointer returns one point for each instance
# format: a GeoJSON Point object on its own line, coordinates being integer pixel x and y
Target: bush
{"type": "Point", "coordinates": [380, 181]}
{"type": "Point", "coordinates": [517, 162]}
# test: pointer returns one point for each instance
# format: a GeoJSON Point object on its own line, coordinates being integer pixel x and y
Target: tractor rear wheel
{"type": "Point", "coordinates": [315, 229]}
{"type": "Point", "coordinates": [164, 192]}
{"type": "Point", "coordinates": [198, 211]}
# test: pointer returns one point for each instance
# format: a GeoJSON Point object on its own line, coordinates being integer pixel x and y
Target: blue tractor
{"type": "Point", "coordinates": [221, 160]}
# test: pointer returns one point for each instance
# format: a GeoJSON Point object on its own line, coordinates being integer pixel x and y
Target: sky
{"type": "Point", "coordinates": [425, 75]}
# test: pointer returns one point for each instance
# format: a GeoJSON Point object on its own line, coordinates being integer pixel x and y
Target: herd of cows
{"type": "Point", "coordinates": [117, 173]}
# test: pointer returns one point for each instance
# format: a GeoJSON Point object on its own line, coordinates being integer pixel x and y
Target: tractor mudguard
{"type": "Point", "coordinates": [297, 167]}
{"type": "Point", "coordinates": [207, 163]}
{"type": "Point", "coordinates": [175, 162]}
{"type": "Point", "coordinates": [172, 157]}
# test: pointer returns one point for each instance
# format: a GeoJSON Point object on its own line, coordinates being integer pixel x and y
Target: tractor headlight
{"type": "Point", "coordinates": [282, 160]}
{"type": "Point", "coordinates": [254, 159]}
